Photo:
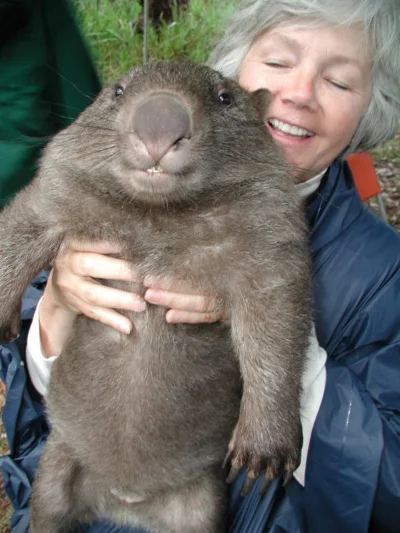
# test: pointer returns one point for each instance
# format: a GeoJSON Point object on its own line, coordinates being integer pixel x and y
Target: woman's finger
{"type": "Point", "coordinates": [176, 316]}
{"type": "Point", "coordinates": [185, 302]}
{"type": "Point", "coordinates": [95, 294]}
{"type": "Point", "coordinates": [88, 264]}
{"type": "Point", "coordinates": [97, 247]}
{"type": "Point", "coordinates": [108, 317]}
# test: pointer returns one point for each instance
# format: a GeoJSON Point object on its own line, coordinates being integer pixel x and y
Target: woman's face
{"type": "Point", "coordinates": [319, 79]}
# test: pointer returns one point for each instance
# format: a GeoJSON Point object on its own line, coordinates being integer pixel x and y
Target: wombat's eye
{"type": "Point", "coordinates": [224, 97]}
{"type": "Point", "coordinates": [119, 90]}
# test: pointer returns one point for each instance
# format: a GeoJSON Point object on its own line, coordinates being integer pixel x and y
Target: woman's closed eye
{"type": "Point", "coordinates": [275, 63]}
{"type": "Point", "coordinates": [339, 84]}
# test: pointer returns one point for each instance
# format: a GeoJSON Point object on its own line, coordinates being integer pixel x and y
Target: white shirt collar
{"type": "Point", "coordinates": [306, 188]}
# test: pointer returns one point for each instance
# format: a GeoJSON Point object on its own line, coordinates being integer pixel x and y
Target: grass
{"type": "Point", "coordinates": [113, 33]}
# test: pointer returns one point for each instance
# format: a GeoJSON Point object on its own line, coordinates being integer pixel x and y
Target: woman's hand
{"type": "Point", "coordinates": [71, 290]}
{"type": "Point", "coordinates": [183, 308]}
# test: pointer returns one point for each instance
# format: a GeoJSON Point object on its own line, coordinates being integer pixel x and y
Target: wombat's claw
{"type": "Point", "coordinates": [265, 486]}
{"type": "Point", "coordinates": [287, 476]}
{"type": "Point", "coordinates": [7, 336]}
{"type": "Point", "coordinates": [11, 326]}
{"type": "Point", "coordinates": [226, 459]}
{"type": "Point", "coordinates": [13, 337]}
{"type": "Point", "coordinates": [232, 474]}
{"type": "Point", "coordinates": [248, 484]}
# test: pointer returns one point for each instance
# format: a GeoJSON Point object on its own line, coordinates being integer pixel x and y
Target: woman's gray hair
{"type": "Point", "coordinates": [381, 20]}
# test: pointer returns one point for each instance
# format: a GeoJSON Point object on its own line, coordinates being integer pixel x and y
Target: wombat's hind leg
{"type": "Point", "coordinates": [58, 499]}
{"type": "Point", "coordinates": [198, 508]}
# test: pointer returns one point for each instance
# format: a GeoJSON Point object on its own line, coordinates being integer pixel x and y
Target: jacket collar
{"type": "Point", "coordinates": [334, 206]}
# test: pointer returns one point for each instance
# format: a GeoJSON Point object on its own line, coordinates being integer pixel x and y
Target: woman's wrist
{"type": "Point", "coordinates": [55, 324]}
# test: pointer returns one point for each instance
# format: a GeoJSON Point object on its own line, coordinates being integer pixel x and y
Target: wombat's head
{"type": "Point", "coordinates": [167, 132]}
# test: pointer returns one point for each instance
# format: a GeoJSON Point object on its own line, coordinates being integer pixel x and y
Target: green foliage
{"type": "Point", "coordinates": [389, 152]}
{"type": "Point", "coordinates": [113, 31]}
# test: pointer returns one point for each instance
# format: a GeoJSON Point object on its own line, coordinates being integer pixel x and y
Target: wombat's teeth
{"type": "Point", "coordinates": [154, 170]}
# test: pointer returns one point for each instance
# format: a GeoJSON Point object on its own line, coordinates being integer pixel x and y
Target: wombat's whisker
{"type": "Point", "coordinates": [61, 105]}
{"type": "Point", "coordinates": [91, 126]}
{"type": "Point", "coordinates": [104, 160]}
{"type": "Point", "coordinates": [95, 127]}
{"type": "Point", "coordinates": [20, 149]}
{"type": "Point", "coordinates": [58, 115]}
{"type": "Point", "coordinates": [61, 76]}
{"type": "Point", "coordinates": [34, 141]}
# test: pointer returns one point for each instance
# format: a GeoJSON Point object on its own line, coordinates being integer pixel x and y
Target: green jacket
{"type": "Point", "coordinates": [46, 79]}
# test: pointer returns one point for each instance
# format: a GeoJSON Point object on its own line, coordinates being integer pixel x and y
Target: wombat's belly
{"type": "Point", "coordinates": [155, 408]}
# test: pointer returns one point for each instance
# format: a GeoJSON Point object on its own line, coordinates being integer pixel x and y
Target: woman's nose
{"type": "Point", "coordinates": [300, 90]}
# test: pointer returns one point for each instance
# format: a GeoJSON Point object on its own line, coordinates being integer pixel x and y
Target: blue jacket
{"type": "Point", "coordinates": [353, 466]}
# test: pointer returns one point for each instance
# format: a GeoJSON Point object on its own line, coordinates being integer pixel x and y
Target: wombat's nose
{"type": "Point", "coordinates": [160, 122]}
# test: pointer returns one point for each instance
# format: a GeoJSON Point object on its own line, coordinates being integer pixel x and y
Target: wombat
{"type": "Point", "coordinates": [175, 164]}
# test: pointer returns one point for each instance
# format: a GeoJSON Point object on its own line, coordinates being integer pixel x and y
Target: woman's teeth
{"type": "Point", "coordinates": [287, 128]}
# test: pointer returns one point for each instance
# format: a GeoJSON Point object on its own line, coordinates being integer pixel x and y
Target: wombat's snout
{"type": "Point", "coordinates": [163, 123]}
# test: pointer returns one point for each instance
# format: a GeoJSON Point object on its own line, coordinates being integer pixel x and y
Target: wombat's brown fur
{"type": "Point", "coordinates": [174, 163]}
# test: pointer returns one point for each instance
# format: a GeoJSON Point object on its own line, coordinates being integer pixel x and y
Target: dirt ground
{"type": "Point", "coordinates": [387, 164]}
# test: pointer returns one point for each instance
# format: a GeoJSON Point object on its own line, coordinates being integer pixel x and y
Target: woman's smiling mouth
{"type": "Point", "coordinates": [288, 129]}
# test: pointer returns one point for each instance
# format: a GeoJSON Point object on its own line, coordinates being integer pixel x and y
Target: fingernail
{"type": "Point", "coordinates": [125, 328]}
{"type": "Point", "coordinates": [171, 317]}
{"type": "Point", "coordinates": [139, 306]}
{"type": "Point", "coordinates": [150, 281]}
{"type": "Point", "coordinates": [151, 295]}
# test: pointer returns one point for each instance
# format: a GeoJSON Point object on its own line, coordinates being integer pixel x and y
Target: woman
{"type": "Point", "coordinates": [334, 76]}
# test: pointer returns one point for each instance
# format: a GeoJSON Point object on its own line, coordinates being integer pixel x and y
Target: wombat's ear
{"type": "Point", "coordinates": [261, 100]}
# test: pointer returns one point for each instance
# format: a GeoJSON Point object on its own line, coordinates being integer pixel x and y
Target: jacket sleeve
{"type": "Point", "coordinates": [23, 417]}
{"type": "Point", "coordinates": [377, 364]}
{"type": "Point", "coordinates": [353, 467]}
{"type": "Point", "coordinates": [344, 457]}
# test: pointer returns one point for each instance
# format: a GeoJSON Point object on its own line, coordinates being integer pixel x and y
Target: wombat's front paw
{"type": "Point", "coordinates": [9, 329]}
{"type": "Point", "coordinates": [269, 449]}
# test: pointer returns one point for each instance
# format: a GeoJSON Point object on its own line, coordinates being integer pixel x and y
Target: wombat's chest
{"type": "Point", "coordinates": [195, 251]}
{"type": "Point", "coordinates": [188, 254]}
{"type": "Point", "coordinates": [177, 376]}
